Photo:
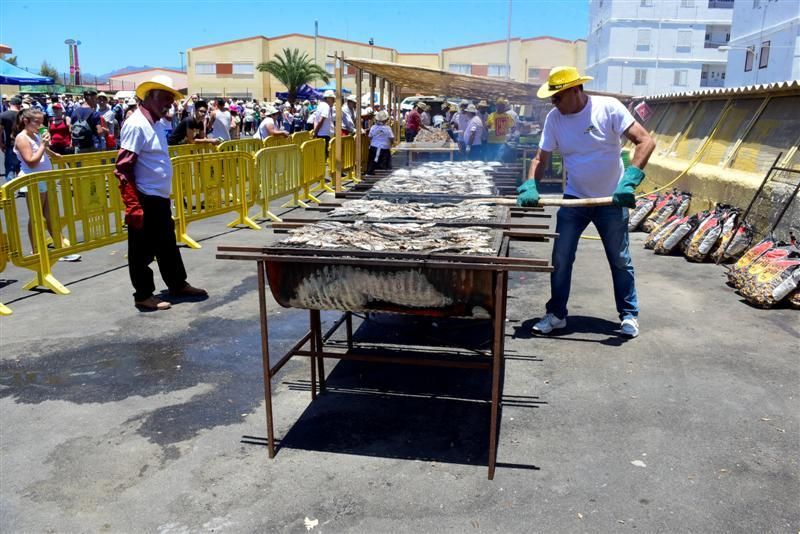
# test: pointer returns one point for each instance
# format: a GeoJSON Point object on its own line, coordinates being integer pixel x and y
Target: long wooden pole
{"type": "Point", "coordinates": [372, 91]}
{"type": "Point", "coordinates": [572, 202]}
{"type": "Point", "coordinates": [380, 93]}
{"type": "Point", "coordinates": [357, 121]}
{"type": "Point", "coordinates": [339, 61]}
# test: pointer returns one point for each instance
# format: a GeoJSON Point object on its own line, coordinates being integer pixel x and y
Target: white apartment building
{"type": "Point", "coordinates": [765, 42]}
{"type": "Point", "coordinates": [645, 47]}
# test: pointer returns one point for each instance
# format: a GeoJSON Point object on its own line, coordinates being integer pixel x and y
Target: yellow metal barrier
{"type": "Point", "coordinates": [190, 149]}
{"type": "Point", "coordinates": [250, 145]}
{"type": "Point", "coordinates": [312, 160]}
{"type": "Point", "coordinates": [348, 157]}
{"type": "Point", "coordinates": [85, 200]}
{"type": "Point", "coordinates": [206, 185]}
{"type": "Point", "coordinates": [84, 159]}
{"type": "Point", "coordinates": [276, 140]}
{"type": "Point", "coordinates": [299, 138]}
{"type": "Point", "coordinates": [4, 310]}
{"type": "Point", "coordinates": [278, 169]}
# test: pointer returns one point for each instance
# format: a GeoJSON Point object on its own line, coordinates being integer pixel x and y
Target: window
{"type": "Point", "coordinates": [763, 58]}
{"type": "Point", "coordinates": [536, 75]}
{"type": "Point", "coordinates": [640, 77]}
{"type": "Point", "coordinates": [646, 3]}
{"type": "Point", "coordinates": [756, 4]}
{"type": "Point", "coordinates": [684, 41]}
{"type": "Point", "coordinates": [643, 40]}
{"type": "Point", "coordinates": [687, 3]}
{"type": "Point", "coordinates": [460, 68]}
{"type": "Point", "coordinates": [243, 68]}
{"type": "Point", "coordinates": [205, 68]}
{"type": "Point", "coordinates": [498, 70]}
{"type": "Point", "coordinates": [681, 77]}
{"type": "Point", "coordinates": [329, 68]}
{"type": "Point", "coordinates": [748, 58]}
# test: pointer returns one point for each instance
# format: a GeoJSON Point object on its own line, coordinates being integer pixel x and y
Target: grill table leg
{"type": "Point", "coordinates": [314, 350]}
{"type": "Point", "coordinates": [497, 361]}
{"type": "Point", "coordinates": [262, 300]}
{"type": "Point", "coordinates": [349, 326]}
{"type": "Point", "coordinates": [317, 329]}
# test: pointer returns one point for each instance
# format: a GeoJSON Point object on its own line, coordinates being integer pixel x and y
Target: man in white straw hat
{"type": "Point", "coordinates": [587, 131]}
{"type": "Point", "coordinates": [323, 118]}
{"type": "Point", "coordinates": [144, 171]}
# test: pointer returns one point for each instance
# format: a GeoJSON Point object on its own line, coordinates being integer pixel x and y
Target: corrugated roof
{"type": "Point", "coordinates": [440, 82]}
{"type": "Point", "coordinates": [792, 85]}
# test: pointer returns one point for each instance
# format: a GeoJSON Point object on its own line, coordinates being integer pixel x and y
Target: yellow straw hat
{"type": "Point", "coordinates": [561, 78]}
{"type": "Point", "coordinates": [160, 82]}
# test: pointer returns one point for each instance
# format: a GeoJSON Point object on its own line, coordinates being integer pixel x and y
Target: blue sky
{"type": "Point", "coordinates": [114, 34]}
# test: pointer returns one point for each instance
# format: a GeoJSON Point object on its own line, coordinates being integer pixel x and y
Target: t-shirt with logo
{"type": "Point", "coordinates": [589, 142]}
{"type": "Point", "coordinates": [380, 136]}
{"type": "Point", "coordinates": [499, 126]}
{"type": "Point", "coordinates": [153, 169]}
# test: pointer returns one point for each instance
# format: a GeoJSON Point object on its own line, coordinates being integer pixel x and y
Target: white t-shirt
{"type": "Point", "coordinates": [153, 169]}
{"type": "Point", "coordinates": [474, 130]}
{"type": "Point", "coordinates": [461, 120]}
{"type": "Point", "coordinates": [589, 142]}
{"type": "Point", "coordinates": [221, 127]}
{"type": "Point", "coordinates": [380, 136]}
{"type": "Point", "coordinates": [324, 114]}
{"type": "Point", "coordinates": [263, 128]}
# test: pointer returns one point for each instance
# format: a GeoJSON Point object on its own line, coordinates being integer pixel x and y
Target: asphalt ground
{"type": "Point", "coordinates": [114, 420]}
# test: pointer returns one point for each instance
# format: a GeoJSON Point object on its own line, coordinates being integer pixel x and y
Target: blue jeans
{"type": "Point", "coordinates": [612, 225]}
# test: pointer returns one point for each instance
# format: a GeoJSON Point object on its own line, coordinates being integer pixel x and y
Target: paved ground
{"type": "Point", "coordinates": [119, 421]}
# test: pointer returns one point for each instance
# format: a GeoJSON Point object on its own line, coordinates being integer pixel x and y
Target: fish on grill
{"type": "Point", "coordinates": [382, 209]}
{"type": "Point", "coordinates": [394, 237]}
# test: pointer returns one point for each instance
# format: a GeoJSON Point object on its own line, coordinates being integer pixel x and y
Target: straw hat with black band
{"type": "Point", "coordinates": [560, 79]}
{"type": "Point", "coordinates": [160, 83]}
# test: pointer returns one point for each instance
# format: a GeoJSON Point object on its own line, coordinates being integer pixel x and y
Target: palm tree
{"type": "Point", "coordinates": [293, 69]}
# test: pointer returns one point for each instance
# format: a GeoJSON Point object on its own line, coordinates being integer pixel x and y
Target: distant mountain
{"type": "Point", "coordinates": [129, 68]}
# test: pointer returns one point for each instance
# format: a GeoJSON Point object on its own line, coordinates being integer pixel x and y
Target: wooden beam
{"type": "Point", "coordinates": [337, 179]}
{"type": "Point", "coordinates": [358, 123]}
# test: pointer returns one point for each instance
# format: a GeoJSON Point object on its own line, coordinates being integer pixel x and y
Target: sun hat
{"type": "Point", "coordinates": [464, 103]}
{"type": "Point", "coordinates": [161, 83]}
{"type": "Point", "coordinates": [269, 110]}
{"type": "Point", "coordinates": [130, 102]}
{"type": "Point", "coordinates": [501, 101]}
{"type": "Point", "coordinates": [329, 94]}
{"type": "Point", "coordinates": [561, 78]}
{"type": "Point", "coordinates": [382, 116]}
{"type": "Point", "coordinates": [422, 105]}
{"type": "Point", "coordinates": [471, 109]}
{"type": "Point", "coordinates": [483, 104]}
{"type": "Point", "coordinates": [102, 94]}
{"type": "Point", "coordinates": [351, 98]}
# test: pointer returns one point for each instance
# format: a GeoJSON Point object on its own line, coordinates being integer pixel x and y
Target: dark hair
{"type": "Point", "coordinates": [19, 124]}
{"type": "Point", "coordinates": [200, 104]}
{"type": "Point", "coordinates": [220, 101]}
{"type": "Point", "coordinates": [90, 92]}
{"type": "Point", "coordinates": [15, 101]}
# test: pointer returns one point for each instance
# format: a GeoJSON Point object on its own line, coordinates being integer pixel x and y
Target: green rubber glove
{"type": "Point", "coordinates": [623, 195]}
{"type": "Point", "coordinates": [529, 196]}
{"type": "Point", "coordinates": [527, 184]}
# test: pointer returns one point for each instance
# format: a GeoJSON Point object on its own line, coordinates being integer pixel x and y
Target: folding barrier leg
{"type": "Point", "coordinates": [5, 310]}
{"type": "Point", "coordinates": [44, 274]}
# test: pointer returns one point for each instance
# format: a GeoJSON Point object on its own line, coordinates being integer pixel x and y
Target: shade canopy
{"type": "Point", "coordinates": [305, 92]}
{"type": "Point", "coordinates": [440, 82]}
{"type": "Point", "coordinates": [332, 87]}
{"type": "Point", "coordinates": [13, 75]}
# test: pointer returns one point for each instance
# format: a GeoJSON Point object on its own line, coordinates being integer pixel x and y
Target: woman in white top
{"type": "Point", "coordinates": [380, 144]}
{"type": "Point", "coordinates": [32, 151]}
{"type": "Point", "coordinates": [268, 126]}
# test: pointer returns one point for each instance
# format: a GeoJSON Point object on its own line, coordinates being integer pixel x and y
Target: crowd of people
{"type": "Point", "coordinates": [481, 134]}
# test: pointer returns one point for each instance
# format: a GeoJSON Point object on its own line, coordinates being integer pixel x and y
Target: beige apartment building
{"type": "Point", "coordinates": [229, 68]}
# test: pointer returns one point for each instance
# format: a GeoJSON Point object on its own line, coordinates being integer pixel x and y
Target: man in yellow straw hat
{"type": "Point", "coordinates": [587, 130]}
{"type": "Point", "coordinates": [144, 171]}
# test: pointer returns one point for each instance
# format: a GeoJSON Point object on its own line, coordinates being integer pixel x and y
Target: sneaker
{"type": "Point", "coordinates": [188, 291]}
{"type": "Point", "coordinates": [548, 323]}
{"type": "Point", "coordinates": [153, 303]}
{"type": "Point", "coordinates": [629, 327]}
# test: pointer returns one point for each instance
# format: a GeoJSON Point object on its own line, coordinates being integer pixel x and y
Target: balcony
{"type": "Point", "coordinates": [718, 82]}
{"type": "Point", "coordinates": [714, 44]}
{"type": "Point", "coordinates": [720, 4]}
